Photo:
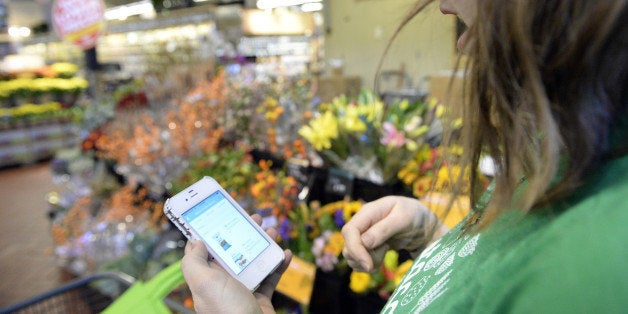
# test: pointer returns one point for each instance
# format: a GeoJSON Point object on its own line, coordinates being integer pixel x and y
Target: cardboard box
{"type": "Point", "coordinates": [336, 85]}
{"type": "Point", "coordinates": [441, 89]}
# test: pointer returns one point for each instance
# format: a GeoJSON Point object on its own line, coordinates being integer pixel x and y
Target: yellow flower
{"type": "Point", "coordinates": [359, 282]}
{"type": "Point", "coordinates": [321, 131]}
{"type": "Point", "coordinates": [65, 68]}
{"type": "Point", "coordinates": [273, 114]}
{"type": "Point", "coordinates": [456, 150]}
{"type": "Point", "coordinates": [327, 124]}
{"type": "Point", "coordinates": [422, 130]}
{"type": "Point", "coordinates": [424, 154]}
{"type": "Point", "coordinates": [372, 111]}
{"type": "Point", "coordinates": [457, 123]}
{"type": "Point", "coordinates": [446, 175]}
{"type": "Point", "coordinates": [318, 141]}
{"type": "Point", "coordinates": [352, 121]}
{"type": "Point", "coordinates": [338, 102]}
{"type": "Point", "coordinates": [404, 105]}
{"type": "Point", "coordinates": [271, 102]}
{"type": "Point", "coordinates": [440, 110]}
{"type": "Point", "coordinates": [432, 102]}
{"type": "Point", "coordinates": [350, 209]}
{"type": "Point", "coordinates": [391, 259]}
{"type": "Point", "coordinates": [409, 173]}
{"type": "Point", "coordinates": [401, 271]}
{"type": "Point", "coordinates": [330, 208]}
{"type": "Point", "coordinates": [443, 178]}
{"type": "Point", "coordinates": [421, 186]}
{"type": "Point", "coordinates": [335, 244]}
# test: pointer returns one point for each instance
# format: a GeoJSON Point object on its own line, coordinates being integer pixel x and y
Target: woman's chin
{"type": "Point", "coordinates": [463, 42]}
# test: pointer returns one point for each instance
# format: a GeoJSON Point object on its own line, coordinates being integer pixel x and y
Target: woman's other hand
{"type": "Point", "coordinates": [391, 222]}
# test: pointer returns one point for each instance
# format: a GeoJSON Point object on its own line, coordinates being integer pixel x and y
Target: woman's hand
{"type": "Point", "coordinates": [215, 291]}
{"type": "Point", "coordinates": [392, 222]}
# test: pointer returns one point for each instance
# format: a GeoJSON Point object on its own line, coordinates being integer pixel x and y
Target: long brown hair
{"type": "Point", "coordinates": [546, 85]}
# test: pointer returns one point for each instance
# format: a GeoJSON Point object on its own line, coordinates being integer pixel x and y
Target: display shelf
{"type": "Point", "coordinates": [186, 37]}
{"type": "Point", "coordinates": [26, 142]}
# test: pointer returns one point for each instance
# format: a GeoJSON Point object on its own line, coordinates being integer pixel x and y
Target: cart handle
{"type": "Point", "coordinates": [122, 278]}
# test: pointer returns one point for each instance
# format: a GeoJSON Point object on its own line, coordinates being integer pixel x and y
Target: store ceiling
{"type": "Point", "coordinates": [31, 13]}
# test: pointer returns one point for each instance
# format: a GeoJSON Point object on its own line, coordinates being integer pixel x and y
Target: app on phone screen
{"type": "Point", "coordinates": [226, 231]}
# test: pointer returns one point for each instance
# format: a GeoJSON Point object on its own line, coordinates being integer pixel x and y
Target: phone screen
{"type": "Point", "coordinates": [226, 231]}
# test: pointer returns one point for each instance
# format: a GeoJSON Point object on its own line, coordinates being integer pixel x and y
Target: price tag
{"type": "Point", "coordinates": [339, 182]}
{"type": "Point", "coordinates": [297, 282]}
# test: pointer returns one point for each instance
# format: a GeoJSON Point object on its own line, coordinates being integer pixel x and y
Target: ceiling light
{"type": "Point", "coordinates": [272, 4]}
{"type": "Point", "coordinates": [311, 7]}
{"type": "Point", "coordinates": [144, 8]}
{"type": "Point", "coordinates": [19, 31]}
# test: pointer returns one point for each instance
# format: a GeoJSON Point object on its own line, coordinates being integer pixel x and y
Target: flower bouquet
{"type": "Point", "coordinates": [368, 138]}
{"type": "Point", "coordinates": [428, 172]}
{"type": "Point", "coordinates": [432, 173]}
{"type": "Point", "coordinates": [274, 193]}
{"type": "Point", "coordinates": [266, 114]}
{"type": "Point", "coordinates": [153, 147]}
{"type": "Point", "coordinates": [97, 223]}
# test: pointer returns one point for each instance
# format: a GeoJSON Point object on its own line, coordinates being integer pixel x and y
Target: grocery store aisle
{"type": "Point", "coordinates": [27, 267]}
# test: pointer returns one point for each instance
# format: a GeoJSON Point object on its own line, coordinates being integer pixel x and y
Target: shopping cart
{"type": "Point", "coordinates": [109, 292]}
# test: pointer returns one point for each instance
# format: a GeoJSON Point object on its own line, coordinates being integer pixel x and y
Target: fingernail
{"type": "Point", "coordinates": [365, 266]}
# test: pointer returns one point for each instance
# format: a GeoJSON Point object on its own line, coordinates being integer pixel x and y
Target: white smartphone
{"type": "Point", "coordinates": [205, 211]}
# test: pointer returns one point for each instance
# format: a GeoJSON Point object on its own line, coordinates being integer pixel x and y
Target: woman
{"type": "Point", "coordinates": [547, 100]}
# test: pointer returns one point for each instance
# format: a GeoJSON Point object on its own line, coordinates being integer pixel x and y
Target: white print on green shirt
{"type": "Point", "coordinates": [427, 279]}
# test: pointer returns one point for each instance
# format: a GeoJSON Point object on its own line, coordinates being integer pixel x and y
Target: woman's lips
{"type": "Point", "coordinates": [446, 10]}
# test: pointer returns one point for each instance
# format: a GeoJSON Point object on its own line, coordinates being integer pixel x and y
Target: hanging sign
{"type": "Point", "coordinates": [80, 22]}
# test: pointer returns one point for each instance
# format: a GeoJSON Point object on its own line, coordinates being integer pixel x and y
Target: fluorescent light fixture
{"type": "Point", "coordinates": [312, 7]}
{"type": "Point", "coordinates": [272, 4]}
{"type": "Point", "coordinates": [19, 31]}
{"type": "Point", "coordinates": [144, 8]}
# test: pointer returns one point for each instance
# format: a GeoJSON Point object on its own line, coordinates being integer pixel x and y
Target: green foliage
{"type": "Point", "coordinates": [233, 168]}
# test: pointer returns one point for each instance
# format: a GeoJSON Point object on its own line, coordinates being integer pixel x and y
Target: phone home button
{"type": "Point", "coordinates": [261, 265]}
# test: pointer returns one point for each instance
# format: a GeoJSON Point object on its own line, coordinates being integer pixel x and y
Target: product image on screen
{"type": "Point", "coordinates": [226, 231]}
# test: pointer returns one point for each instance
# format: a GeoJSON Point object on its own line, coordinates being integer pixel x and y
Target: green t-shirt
{"type": "Point", "coordinates": [572, 261]}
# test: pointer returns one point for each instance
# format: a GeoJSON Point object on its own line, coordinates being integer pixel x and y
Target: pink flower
{"type": "Point", "coordinates": [327, 262]}
{"type": "Point", "coordinates": [318, 246]}
{"type": "Point", "coordinates": [392, 136]}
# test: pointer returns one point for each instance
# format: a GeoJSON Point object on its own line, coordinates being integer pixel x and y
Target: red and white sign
{"type": "Point", "coordinates": [79, 21]}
